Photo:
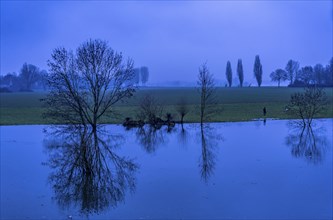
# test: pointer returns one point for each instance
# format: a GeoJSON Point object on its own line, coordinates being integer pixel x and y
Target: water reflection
{"type": "Point", "coordinates": [307, 142]}
{"type": "Point", "coordinates": [150, 137]}
{"type": "Point", "coordinates": [209, 143]}
{"type": "Point", "coordinates": [183, 136]}
{"type": "Point", "coordinates": [86, 172]}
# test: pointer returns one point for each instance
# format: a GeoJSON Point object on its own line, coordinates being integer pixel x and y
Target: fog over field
{"type": "Point", "coordinates": [172, 38]}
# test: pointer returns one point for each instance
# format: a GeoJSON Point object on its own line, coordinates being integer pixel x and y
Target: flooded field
{"type": "Point", "coordinates": [257, 169]}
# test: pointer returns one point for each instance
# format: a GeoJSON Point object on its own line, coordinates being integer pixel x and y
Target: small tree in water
{"type": "Point", "coordinates": [86, 84]}
{"type": "Point", "coordinates": [308, 104]}
{"type": "Point", "coordinates": [182, 109]}
{"type": "Point", "coordinates": [206, 85]}
{"type": "Point", "coordinates": [150, 109]}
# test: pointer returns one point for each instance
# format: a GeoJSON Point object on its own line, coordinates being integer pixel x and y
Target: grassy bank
{"type": "Point", "coordinates": [233, 104]}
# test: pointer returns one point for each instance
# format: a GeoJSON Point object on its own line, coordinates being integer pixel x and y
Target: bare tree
{"type": "Point", "coordinates": [319, 74]}
{"type": "Point", "coordinates": [43, 79]}
{"type": "Point", "coordinates": [292, 68]}
{"type": "Point", "coordinates": [136, 76]}
{"type": "Point", "coordinates": [150, 110]}
{"type": "Point", "coordinates": [228, 73]}
{"type": "Point", "coordinates": [278, 76]}
{"type": "Point", "coordinates": [28, 76]}
{"type": "Point", "coordinates": [85, 85]}
{"type": "Point", "coordinates": [240, 72]}
{"type": "Point", "coordinates": [329, 73]}
{"type": "Point", "coordinates": [10, 81]}
{"type": "Point", "coordinates": [206, 85]}
{"type": "Point", "coordinates": [308, 104]}
{"type": "Point", "coordinates": [306, 75]}
{"type": "Point", "coordinates": [182, 109]}
{"type": "Point", "coordinates": [144, 75]}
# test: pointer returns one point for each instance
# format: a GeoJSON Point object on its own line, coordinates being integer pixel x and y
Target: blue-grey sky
{"type": "Point", "coordinates": [172, 38]}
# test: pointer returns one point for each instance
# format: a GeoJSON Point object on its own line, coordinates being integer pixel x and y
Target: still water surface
{"type": "Point", "coordinates": [225, 170]}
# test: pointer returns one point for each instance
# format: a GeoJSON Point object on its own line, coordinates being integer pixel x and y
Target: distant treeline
{"type": "Point", "coordinates": [141, 75]}
{"type": "Point", "coordinates": [297, 76]}
{"type": "Point", "coordinates": [318, 75]}
{"type": "Point", "coordinates": [29, 78]}
{"type": "Point", "coordinates": [32, 78]}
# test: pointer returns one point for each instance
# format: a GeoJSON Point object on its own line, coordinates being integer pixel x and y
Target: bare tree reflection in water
{"type": "Point", "coordinates": [209, 144]}
{"type": "Point", "coordinates": [86, 172]}
{"type": "Point", "coordinates": [308, 142]}
{"type": "Point", "coordinates": [150, 137]}
{"type": "Point", "coordinates": [183, 136]}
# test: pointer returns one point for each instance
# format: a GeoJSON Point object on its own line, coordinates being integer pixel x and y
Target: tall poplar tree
{"type": "Point", "coordinates": [257, 70]}
{"type": "Point", "coordinates": [240, 72]}
{"type": "Point", "coordinates": [228, 73]}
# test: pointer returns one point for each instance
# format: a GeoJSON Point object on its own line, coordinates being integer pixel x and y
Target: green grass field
{"type": "Point", "coordinates": [233, 104]}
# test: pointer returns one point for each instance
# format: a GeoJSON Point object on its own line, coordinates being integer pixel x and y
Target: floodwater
{"type": "Point", "coordinates": [257, 170]}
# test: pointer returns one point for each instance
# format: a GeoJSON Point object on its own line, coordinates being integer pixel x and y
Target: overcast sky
{"type": "Point", "coordinates": [172, 38]}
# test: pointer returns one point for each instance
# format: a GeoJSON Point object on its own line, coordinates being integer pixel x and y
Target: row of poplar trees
{"type": "Point", "coordinates": [257, 70]}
